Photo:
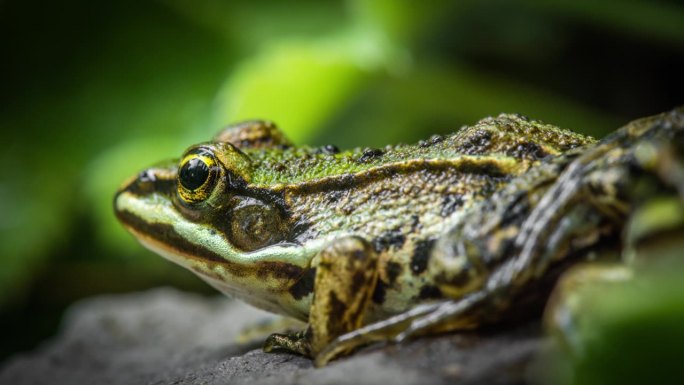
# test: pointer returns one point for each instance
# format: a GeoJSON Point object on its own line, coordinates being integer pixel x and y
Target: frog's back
{"type": "Point", "coordinates": [507, 138]}
{"type": "Point", "coordinates": [402, 198]}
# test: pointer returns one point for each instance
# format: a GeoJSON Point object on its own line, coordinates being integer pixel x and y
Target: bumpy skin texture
{"type": "Point", "coordinates": [382, 244]}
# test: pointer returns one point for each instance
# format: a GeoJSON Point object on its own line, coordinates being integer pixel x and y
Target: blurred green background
{"type": "Point", "coordinates": [91, 92]}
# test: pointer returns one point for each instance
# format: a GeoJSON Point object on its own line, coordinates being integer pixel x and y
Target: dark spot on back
{"type": "Point", "coordinates": [450, 203]}
{"type": "Point", "coordinates": [328, 149]}
{"type": "Point", "coordinates": [304, 286]}
{"type": "Point", "coordinates": [379, 292]}
{"type": "Point", "coordinates": [370, 154]}
{"type": "Point", "coordinates": [527, 150]}
{"type": "Point", "coordinates": [434, 139]}
{"type": "Point", "coordinates": [490, 168]}
{"type": "Point", "coordinates": [391, 238]}
{"type": "Point", "coordinates": [430, 292]}
{"type": "Point", "coordinates": [393, 271]}
{"type": "Point", "coordinates": [477, 143]}
{"type": "Point", "coordinates": [421, 254]}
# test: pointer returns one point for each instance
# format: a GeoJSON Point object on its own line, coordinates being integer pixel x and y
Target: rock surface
{"type": "Point", "coordinates": [168, 337]}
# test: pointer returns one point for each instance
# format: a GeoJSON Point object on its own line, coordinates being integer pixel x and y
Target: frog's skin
{"type": "Point", "coordinates": [382, 244]}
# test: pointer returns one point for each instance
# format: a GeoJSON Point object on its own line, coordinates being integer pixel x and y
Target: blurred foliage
{"type": "Point", "coordinates": [630, 332]}
{"type": "Point", "coordinates": [94, 91]}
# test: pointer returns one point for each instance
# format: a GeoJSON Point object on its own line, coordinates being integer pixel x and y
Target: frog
{"type": "Point", "coordinates": [370, 245]}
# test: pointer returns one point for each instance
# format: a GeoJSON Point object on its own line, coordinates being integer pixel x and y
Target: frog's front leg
{"type": "Point", "coordinates": [346, 275]}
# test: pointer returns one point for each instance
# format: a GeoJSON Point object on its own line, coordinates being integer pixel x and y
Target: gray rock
{"type": "Point", "coordinates": [168, 337]}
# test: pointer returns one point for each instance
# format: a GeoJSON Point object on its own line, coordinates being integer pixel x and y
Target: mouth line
{"type": "Point", "coordinates": [164, 237]}
{"type": "Point", "coordinates": [152, 243]}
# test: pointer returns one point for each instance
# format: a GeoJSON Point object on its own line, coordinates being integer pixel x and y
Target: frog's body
{"type": "Point", "coordinates": [368, 244]}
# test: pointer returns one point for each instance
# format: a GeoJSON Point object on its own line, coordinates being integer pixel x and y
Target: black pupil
{"type": "Point", "coordinates": [193, 174]}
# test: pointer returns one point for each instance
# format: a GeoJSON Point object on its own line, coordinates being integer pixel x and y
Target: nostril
{"type": "Point", "coordinates": [146, 176]}
{"type": "Point", "coordinates": [152, 180]}
{"type": "Point", "coordinates": [144, 183]}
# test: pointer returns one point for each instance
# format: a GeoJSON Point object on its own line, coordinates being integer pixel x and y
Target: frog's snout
{"type": "Point", "coordinates": [144, 186]}
{"type": "Point", "coordinates": [151, 180]}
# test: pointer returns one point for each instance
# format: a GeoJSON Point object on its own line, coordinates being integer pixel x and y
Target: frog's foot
{"type": "Point", "coordinates": [569, 300]}
{"type": "Point", "coordinates": [266, 327]}
{"type": "Point", "coordinates": [297, 342]}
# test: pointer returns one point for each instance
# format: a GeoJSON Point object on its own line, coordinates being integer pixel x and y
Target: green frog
{"type": "Point", "coordinates": [382, 244]}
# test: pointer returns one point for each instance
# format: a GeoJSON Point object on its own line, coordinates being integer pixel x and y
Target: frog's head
{"type": "Point", "coordinates": [202, 213]}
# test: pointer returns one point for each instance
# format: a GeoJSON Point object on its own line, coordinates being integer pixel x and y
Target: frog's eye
{"type": "Point", "coordinates": [194, 174]}
{"type": "Point", "coordinates": [197, 176]}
